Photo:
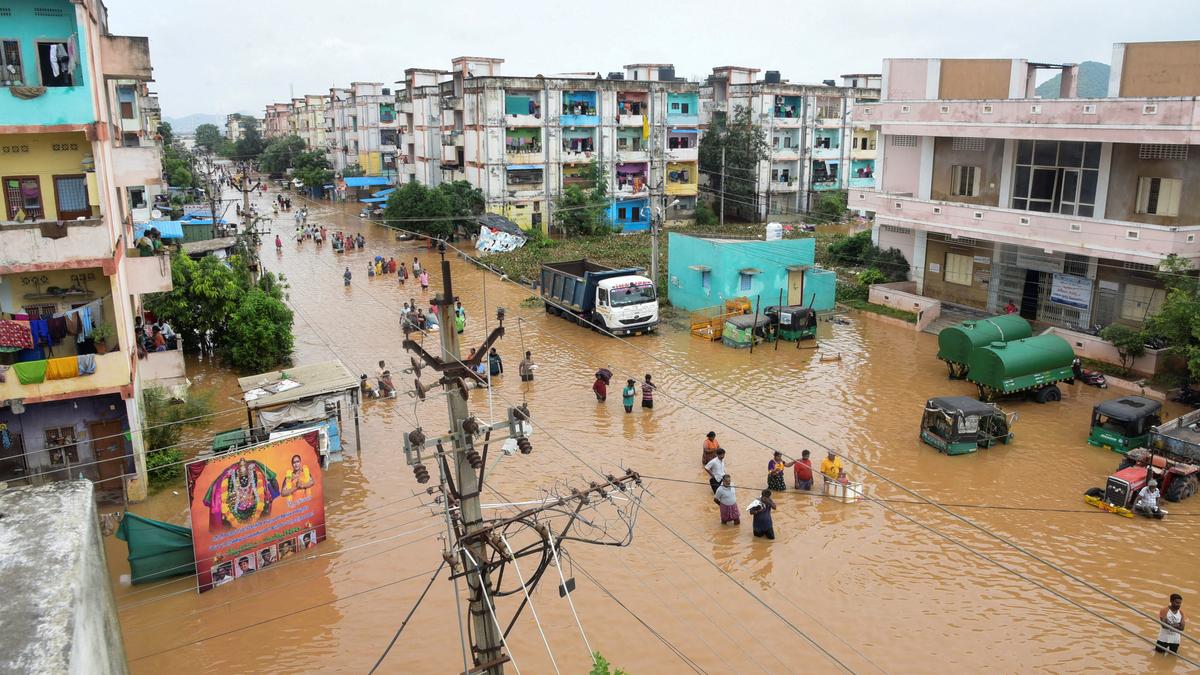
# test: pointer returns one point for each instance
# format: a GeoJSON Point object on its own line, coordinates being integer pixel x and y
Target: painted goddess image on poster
{"type": "Point", "coordinates": [255, 507]}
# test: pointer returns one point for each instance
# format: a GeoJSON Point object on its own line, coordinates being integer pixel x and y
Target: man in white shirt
{"type": "Point", "coordinates": [1147, 501]}
{"type": "Point", "coordinates": [726, 498]}
{"type": "Point", "coordinates": [716, 470]}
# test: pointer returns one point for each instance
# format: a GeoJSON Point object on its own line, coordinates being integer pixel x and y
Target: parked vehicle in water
{"type": "Point", "coordinates": [1032, 366]}
{"type": "Point", "coordinates": [793, 322]}
{"type": "Point", "coordinates": [1092, 378]}
{"type": "Point", "coordinates": [744, 329]}
{"type": "Point", "coordinates": [957, 425]}
{"type": "Point", "coordinates": [617, 301]}
{"type": "Point", "coordinates": [955, 343]}
{"type": "Point", "coordinates": [1123, 424]}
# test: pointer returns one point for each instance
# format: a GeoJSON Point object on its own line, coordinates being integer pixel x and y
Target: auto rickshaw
{"type": "Point", "coordinates": [957, 425]}
{"type": "Point", "coordinates": [1124, 423]}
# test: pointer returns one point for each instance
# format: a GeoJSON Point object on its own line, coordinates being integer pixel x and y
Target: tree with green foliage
{"type": "Point", "coordinates": [278, 155]}
{"type": "Point", "coordinates": [705, 216]}
{"type": "Point", "coordinates": [856, 250]}
{"type": "Point", "coordinates": [601, 666]}
{"type": "Point", "coordinates": [580, 210]}
{"type": "Point", "coordinates": [353, 171]}
{"type": "Point", "coordinates": [250, 145]}
{"type": "Point", "coordinates": [165, 420]}
{"type": "Point", "coordinates": [209, 137]}
{"type": "Point", "coordinates": [223, 301]}
{"type": "Point", "coordinates": [433, 212]}
{"type": "Point", "coordinates": [745, 145]}
{"type": "Point", "coordinates": [830, 207]}
{"type": "Point", "coordinates": [165, 133]}
{"type": "Point", "coordinates": [1130, 343]}
{"type": "Point", "coordinates": [1178, 318]}
{"type": "Point", "coordinates": [312, 168]}
{"type": "Point", "coordinates": [259, 333]}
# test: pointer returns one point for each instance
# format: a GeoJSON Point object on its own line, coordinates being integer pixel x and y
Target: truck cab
{"type": "Point", "coordinates": [627, 304]}
{"type": "Point", "coordinates": [1124, 423]}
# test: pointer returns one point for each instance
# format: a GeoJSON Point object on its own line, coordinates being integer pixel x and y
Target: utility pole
{"type": "Point", "coordinates": [486, 639]}
{"type": "Point", "coordinates": [722, 196]}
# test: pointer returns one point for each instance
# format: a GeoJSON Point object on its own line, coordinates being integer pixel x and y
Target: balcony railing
{"type": "Point", "coordinates": [826, 153]}
{"type": "Point", "coordinates": [1118, 120]}
{"type": "Point", "coordinates": [151, 274]}
{"type": "Point", "coordinates": [29, 245]}
{"type": "Point", "coordinates": [1119, 240]}
{"type": "Point", "coordinates": [866, 182]}
{"type": "Point", "coordinates": [126, 57]}
{"type": "Point", "coordinates": [112, 373]}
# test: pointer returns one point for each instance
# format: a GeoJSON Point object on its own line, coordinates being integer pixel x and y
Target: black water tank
{"type": "Point", "coordinates": [829, 83]}
{"type": "Point", "coordinates": [772, 77]}
{"type": "Point", "coordinates": [387, 92]}
{"type": "Point", "coordinates": [616, 76]}
{"type": "Point", "coordinates": [666, 73]}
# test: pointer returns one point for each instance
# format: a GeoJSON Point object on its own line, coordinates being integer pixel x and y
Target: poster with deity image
{"type": "Point", "coordinates": [255, 508]}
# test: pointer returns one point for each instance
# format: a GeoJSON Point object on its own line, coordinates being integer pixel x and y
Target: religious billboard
{"type": "Point", "coordinates": [255, 507]}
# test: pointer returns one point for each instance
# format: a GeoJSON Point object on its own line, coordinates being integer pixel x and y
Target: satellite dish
{"type": "Point", "coordinates": [155, 213]}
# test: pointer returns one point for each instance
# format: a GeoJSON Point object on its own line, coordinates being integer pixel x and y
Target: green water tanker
{"type": "Point", "coordinates": [955, 343]}
{"type": "Point", "coordinates": [1031, 366]}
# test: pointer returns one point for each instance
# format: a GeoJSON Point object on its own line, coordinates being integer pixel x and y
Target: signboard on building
{"type": "Point", "coordinates": [255, 507]}
{"type": "Point", "coordinates": [1071, 291]}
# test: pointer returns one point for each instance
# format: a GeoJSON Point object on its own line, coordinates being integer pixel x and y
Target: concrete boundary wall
{"type": "Point", "coordinates": [903, 295]}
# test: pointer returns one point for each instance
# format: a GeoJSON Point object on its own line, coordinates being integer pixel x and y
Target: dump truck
{"type": "Point", "coordinates": [616, 301]}
{"type": "Point", "coordinates": [1032, 367]}
{"type": "Point", "coordinates": [955, 343]}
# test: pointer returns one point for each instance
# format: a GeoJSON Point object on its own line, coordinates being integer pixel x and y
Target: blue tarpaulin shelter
{"type": "Point", "coordinates": [366, 181]}
{"type": "Point", "coordinates": [373, 200]}
{"type": "Point", "coordinates": [383, 193]}
{"type": "Point", "coordinates": [170, 229]}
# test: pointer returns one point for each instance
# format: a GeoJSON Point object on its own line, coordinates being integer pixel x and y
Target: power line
{"type": "Point", "coordinates": [404, 623]}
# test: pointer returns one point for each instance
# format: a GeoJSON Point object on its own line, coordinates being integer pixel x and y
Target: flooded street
{"type": "Point", "coordinates": [872, 588]}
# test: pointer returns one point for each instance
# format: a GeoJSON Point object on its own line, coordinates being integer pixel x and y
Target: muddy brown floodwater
{"type": "Point", "coordinates": [875, 590]}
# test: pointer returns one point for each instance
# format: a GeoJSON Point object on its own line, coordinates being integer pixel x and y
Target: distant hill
{"type": "Point", "coordinates": [188, 123]}
{"type": "Point", "coordinates": [1093, 82]}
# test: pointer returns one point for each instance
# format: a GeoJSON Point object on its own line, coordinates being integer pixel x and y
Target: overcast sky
{"type": "Point", "coordinates": [220, 56]}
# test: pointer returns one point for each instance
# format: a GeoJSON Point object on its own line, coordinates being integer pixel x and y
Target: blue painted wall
{"type": "Point", "coordinates": [726, 258]}
{"type": "Point", "coordinates": [637, 215]}
{"type": "Point", "coordinates": [59, 105]}
{"type": "Point", "coordinates": [675, 107]}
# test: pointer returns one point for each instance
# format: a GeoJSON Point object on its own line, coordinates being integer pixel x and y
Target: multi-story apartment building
{"type": "Point", "coordinates": [1065, 207]}
{"type": "Point", "coordinates": [814, 144]}
{"type": "Point", "coordinates": [79, 155]}
{"type": "Point", "coordinates": [362, 128]}
{"type": "Point", "coordinates": [277, 121]}
{"type": "Point", "coordinates": [234, 127]}
{"type": "Point", "coordinates": [523, 140]}
{"type": "Point", "coordinates": [309, 116]}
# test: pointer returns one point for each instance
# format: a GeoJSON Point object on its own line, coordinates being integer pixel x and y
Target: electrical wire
{"type": "Point", "coordinates": [404, 623]}
{"type": "Point", "coordinates": [529, 600]}
{"type": "Point", "coordinates": [277, 618]}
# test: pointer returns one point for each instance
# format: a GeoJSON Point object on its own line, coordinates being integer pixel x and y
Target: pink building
{"type": "Point", "coordinates": [1064, 206]}
{"type": "Point", "coordinates": [277, 122]}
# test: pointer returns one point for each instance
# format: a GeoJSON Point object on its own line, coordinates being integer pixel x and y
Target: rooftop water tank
{"type": "Point", "coordinates": [774, 231]}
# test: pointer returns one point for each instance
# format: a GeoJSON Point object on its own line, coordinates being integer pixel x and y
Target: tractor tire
{"type": "Point", "coordinates": [1095, 492]}
{"type": "Point", "coordinates": [1180, 489]}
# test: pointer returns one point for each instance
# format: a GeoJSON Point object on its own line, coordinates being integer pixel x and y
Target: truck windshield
{"type": "Point", "coordinates": [632, 295]}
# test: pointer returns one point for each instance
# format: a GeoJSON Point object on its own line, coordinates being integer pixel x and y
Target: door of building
{"type": "Point", "coordinates": [108, 445]}
{"type": "Point", "coordinates": [71, 196]}
{"type": "Point", "coordinates": [1030, 294]}
{"type": "Point", "coordinates": [795, 294]}
{"type": "Point", "coordinates": [12, 455]}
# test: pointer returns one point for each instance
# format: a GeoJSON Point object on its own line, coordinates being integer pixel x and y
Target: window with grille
{"type": "Point", "coordinates": [1139, 267]}
{"type": "Point", "coordinates": [971, 144]}
{"type": "Point", "coordinates": [965, 180]}
{"type": "Point", "coordinates": [958, 269]}
{"type": "Point", "coordinates": [904, 141]}
{"type": "Point", "coordinates": [744, 281]}
{"type": "Point", "coordinates": [896, 229]}
{"type": "Point", "coordinates": [23, 194]}
{"type": "Point", "coordinates": [1076, 265]}
{"type": "Point", "coordinates": [1162, 151]}
{"type": "Point", "coordinates": [1140, 302]}
{"type": "Point", "coordinates": [47, 11]}
{"type": "Point", "coordinates": [1159, 196]}
{"type": "Point", "coordinates": [11, 74]}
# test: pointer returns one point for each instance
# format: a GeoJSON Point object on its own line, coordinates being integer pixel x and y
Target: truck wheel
{"type": "Point", "coordinates": [601, 327]}
{"type": "Point", "coordinates": [549, 307]}
{"type": "Point", "coordinates": [1181, 488]}
{"type": "Point", "coordinates": [1048, 394]}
